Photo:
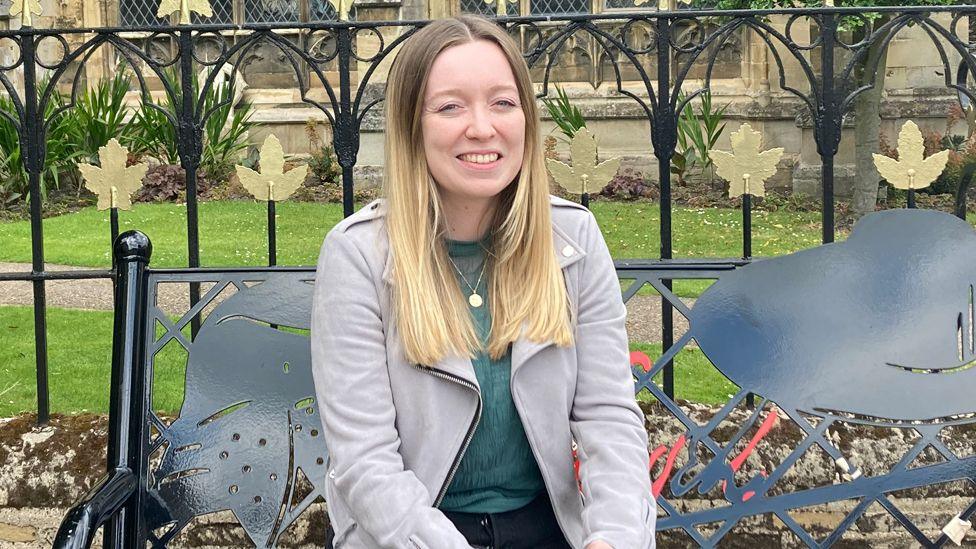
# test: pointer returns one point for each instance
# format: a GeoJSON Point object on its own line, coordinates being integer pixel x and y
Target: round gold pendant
{"type": "Point", "coordinates": [475, 300]}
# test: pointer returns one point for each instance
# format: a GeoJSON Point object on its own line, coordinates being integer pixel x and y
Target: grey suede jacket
{"type": "Point", "coordinates": [396, 431]}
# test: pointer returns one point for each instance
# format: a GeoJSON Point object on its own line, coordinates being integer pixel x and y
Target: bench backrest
{"type": "Point", "coordinates": [248, 437]}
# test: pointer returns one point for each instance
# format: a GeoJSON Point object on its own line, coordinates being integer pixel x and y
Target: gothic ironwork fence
{"type": "Point", "coordinates": [648, 57]}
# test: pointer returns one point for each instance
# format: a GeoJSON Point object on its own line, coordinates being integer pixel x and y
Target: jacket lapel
{"type": "Point", "coordinates": [567, 252]}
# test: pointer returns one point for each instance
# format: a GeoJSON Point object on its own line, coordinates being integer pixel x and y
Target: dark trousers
{"type": "Point", "coordinates": [533, 526]}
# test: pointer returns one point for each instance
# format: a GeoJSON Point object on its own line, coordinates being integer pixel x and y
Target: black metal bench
{"type": "Point", "coordinates": [827, 334]}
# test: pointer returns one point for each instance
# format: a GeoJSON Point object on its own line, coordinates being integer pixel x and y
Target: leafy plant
{"type": "Point", "coordinates": [60, 154]}
{"type": "Point", "coordinates": [224, 131]}
{"type": "Point", "coordinates": [166, 183]}
{"type": "Point", "coordinates": [567, 116]}
{"type": "Point", "coordinates": [99, 115]}
{"type": "Point", "coordinates": [697, 134]}
{"type": "Point", "coordinates": [629, 184]}
{"type": "Point", "coordinates": [322, 162]}
{"type": "Point", "coordinates": [153, 135]}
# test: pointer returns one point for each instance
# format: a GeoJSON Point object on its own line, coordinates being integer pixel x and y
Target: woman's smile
{"type": "Point", "coordinates": [480, 162]}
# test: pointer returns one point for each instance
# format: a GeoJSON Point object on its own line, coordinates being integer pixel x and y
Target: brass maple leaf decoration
{"type": "Point", "coordinates": [585, 175]}
{"type": "Point", "coordinates": [167, 7]}
{"type": "Point", "coordinates": [501, 6]}
{"type": "Point", "coordinates": [113, 182]}
{"type": "Point", "coordinates": [746, 168]}
{"type": "Point", "coordinates": [911, 170]}
{"type": "Point", "coordinates": [273, 182]}
{"type": "Point", "coordinates": [342, 8]}
{"type": "Point", "coordinates": [25, 8]}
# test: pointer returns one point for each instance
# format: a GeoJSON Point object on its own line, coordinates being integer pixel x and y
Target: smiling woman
{"type": "Point", "coordinates": [468, 330]}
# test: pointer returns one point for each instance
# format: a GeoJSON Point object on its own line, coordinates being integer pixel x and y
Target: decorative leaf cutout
{"type": "Point", "coordinates": [746, 168]}
{"type": "Point", "coordinates": [113, 177]}
{"type": "Point", "coordinates": [911, 170]}
{"type": "Point", "coordinates": [222, 455]}
{"type": "Point", "coordinates": [585, 175]}
{"type": "Point", "coordinates": [273, 182]}
{"type": "Point", "coordinates": [25, 8]}
{"type": "Point", "coordinates": [167, 7]}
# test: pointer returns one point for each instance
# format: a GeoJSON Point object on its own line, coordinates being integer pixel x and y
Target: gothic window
{"type": "Point", "coordinates": [488, 10]}
{"type": "Point", "coordinates": [142, 13]}
{"type": "Point", "coordinates": [535, 7]}
{"type": "Point", "coordinates": [558, 7]}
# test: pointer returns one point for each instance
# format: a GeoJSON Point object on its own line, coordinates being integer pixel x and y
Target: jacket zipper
{"type": "Point", "coordinates": [471, 428]}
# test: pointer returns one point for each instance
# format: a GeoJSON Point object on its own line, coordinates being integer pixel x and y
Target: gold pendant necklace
{"type": "Point", "coordinates": [475, 300]}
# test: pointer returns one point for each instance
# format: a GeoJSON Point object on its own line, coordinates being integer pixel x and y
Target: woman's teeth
{"type": "Point", "coordinates": [479, 158]}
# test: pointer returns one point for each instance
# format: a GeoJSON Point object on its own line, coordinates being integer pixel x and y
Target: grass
{"type": "Point", "coordinates": [80, 352]}
{"type": "Point", "coordinates": [232, 233]}
{"type": "Point", "coordinates": [79, 363]}
{"type": "Point", "coordinates": [235, 233]}
{"type": "Point", "coordinates": [695, 378]}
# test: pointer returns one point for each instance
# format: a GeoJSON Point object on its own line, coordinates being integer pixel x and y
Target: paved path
{"type": "Point", "coordinates": [91, 294]}
{"type": "Point", "coordinates": [643, 312]}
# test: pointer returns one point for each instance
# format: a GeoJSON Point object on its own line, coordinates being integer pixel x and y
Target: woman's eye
{"type": "Point", "coordinates": [506, 103]}
{"type": "Point", "coordinates": [447, 108]}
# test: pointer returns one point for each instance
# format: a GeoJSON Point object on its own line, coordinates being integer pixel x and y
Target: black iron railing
{"type": "Point", "coordinates": [643, 48]}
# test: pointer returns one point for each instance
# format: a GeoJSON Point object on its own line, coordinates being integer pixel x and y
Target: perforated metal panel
{"type": "Point", "coordinates": [248, 438]}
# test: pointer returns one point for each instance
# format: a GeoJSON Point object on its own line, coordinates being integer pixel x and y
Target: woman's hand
{"type": "Point", "coordinates": [599, 544]}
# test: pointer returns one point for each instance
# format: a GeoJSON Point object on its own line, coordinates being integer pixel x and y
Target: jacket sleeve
{"type": "Point", "coordinates": [352, 386]}
{"type": "Point", "coordinates": [605, 420]}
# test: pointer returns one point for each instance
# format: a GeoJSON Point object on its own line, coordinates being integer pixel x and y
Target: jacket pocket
{"type": "Point", "coordinates": [415, 543]}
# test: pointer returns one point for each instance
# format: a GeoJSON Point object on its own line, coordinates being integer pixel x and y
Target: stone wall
{"type": "Point", "coordinates": [42, 471]}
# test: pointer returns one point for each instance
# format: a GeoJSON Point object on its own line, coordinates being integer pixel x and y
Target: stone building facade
{"type": "Point", "coordinates": [745, 75]}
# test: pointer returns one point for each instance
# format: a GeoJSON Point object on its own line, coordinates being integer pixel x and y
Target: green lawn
{"type": "Point", "coordinates": [695, 378]}
{"type": "Point", "coordinates": [234, 233]}
{"type": "Point", "coordinates": [231, 233]}
{"type": "Point", "coordinates": [80, 351]}
{"type": "Point", "coordinates": [79, 357]}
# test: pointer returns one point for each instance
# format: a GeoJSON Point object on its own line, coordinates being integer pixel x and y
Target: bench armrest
{"type": "Point", "coordinates": [101, 502]}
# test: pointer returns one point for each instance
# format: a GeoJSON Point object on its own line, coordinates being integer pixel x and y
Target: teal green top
{"type": "Point", "coordinates": [498, 471]}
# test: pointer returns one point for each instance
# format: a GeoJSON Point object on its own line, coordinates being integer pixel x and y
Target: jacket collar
{"type": "Point", "coordinates": [567, 252]}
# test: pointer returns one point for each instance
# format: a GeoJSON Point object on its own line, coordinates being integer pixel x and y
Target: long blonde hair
{"type": "Point", "coordinates": [525, 280]}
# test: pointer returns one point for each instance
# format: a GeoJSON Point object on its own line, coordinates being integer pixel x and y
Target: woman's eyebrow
{"type": "Point", "coordinates": [458, 91]}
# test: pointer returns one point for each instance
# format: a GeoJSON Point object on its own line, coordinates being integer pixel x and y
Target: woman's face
{"type": "Point", "coordinates": [472, 121]}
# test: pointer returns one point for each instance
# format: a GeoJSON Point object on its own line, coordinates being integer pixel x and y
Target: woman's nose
{"type": "Point", "coordinates": [480, 125]}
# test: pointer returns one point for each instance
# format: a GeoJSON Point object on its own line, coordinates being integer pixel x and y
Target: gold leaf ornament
{"type": "Point", "coordinates": [501, 7]}
{"type": "Point", "coordinates": [113, 182]}
{"type": "Point", "coordinates": [202, 7]}
{"type": "Point", "coordinates": [273, 182]}
{"type": "Point", "coordinates": [585, 175]}
{"type": "Point", "coordinates": [747, 167]}
{"type": "Point", "coordinates": [911, 170]}
{"type": "Point", "coordinates": [342, 7]}
{"type": "Point", "coordinates": [25, 8]}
